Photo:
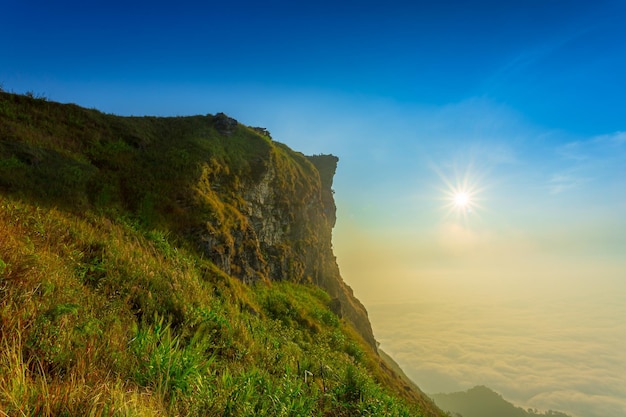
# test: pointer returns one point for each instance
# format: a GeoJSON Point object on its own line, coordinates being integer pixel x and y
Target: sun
{"type": "Point", "coordinates": [462, 200]}
{"type": "Point", "coordinates": [462, 193]}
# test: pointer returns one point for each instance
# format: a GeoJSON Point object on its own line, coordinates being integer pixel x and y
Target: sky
{"type": "Point", "coordinates": [517, 105]}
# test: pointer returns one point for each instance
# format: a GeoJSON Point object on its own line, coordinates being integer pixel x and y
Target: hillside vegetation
{"type": "Point", "coordinates": [174, 267]}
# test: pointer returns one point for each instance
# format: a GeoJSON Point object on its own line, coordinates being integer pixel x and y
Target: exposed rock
{"type": "Point", "coordinates": [263, 131]}
{"type": "Point", "coordinates": [224, 124]}
{"type": "Point", "coordinates": [327, 166]}
{"type": "Point", "coordinates": [335, 307]}
{"type": "Point", "coordinates": [281, 228]}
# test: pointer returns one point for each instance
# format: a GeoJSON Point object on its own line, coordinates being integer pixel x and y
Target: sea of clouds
{"type": "Point", "coordinates": [565, 354]}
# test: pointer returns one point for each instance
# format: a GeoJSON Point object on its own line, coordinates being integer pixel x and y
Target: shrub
{"type": "Point", "coordinates": [166, 365]}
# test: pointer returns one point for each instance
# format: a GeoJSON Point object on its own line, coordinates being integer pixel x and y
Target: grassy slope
{"type": "Point", "coordinates": [105, 310]}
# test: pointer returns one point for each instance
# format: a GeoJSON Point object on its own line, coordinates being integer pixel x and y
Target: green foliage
{"type": "Point", "coordinates": [170, 368]}
{"type": "Point", "coordinates": [11, 163]}
{"type": "Point", "coordinates": [107, 309]}
{"type": "Point", "coordinates": [138, 320]}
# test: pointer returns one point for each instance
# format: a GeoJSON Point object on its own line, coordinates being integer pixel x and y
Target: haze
{"type": "Point", "coordinates": [520, 105]}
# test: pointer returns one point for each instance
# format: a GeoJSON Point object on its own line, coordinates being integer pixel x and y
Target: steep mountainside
{"type": "Point", "coordinates": [175, 266]}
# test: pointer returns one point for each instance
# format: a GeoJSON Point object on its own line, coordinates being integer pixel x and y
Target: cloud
{"type": "Point", "coordinates": [582, 162]}
{"type": "Point", "coordinates": [565, 181]}
{"type": "Point", "coordinates": [598, 148]}
{"type": "Point", "coordinates": [616, 139]}
{"type": "Point", "coordinates": [549, 353]}
{"type": "Point", "coordinates": [581, 404]}
{"type": "Point", "coordinates": [573, 151]}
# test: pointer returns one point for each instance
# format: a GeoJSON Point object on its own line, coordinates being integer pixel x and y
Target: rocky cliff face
{"type": "Point", "coordinates": [281, 226]}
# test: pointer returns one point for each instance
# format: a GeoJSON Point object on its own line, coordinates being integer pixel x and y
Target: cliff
{"type": "Point", "coordinates": [175, 266]}
{"type": "Point", "coordinates": [255, 208]}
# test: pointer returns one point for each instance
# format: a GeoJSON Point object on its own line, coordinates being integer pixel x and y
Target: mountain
{"type": "Point", "coordinates": [481, 401]}
{"type": "Point", "coordinates": [175, 266]}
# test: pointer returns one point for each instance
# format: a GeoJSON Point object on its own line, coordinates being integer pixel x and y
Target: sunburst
{"type": "Point", "coordinates": [462, 193]}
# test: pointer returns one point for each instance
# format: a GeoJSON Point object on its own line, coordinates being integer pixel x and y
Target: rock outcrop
{"type": "Point", "coordinates": [280, 219]}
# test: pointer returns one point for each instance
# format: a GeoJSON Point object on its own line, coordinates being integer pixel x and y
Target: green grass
{"type": "Point", "coordinates": [108, 307]}
{"type": "Point", "coordinates": [96, 316]}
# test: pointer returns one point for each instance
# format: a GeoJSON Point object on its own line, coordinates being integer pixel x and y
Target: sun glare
{"type": "Point", "coordinates": [461, 200]}
{"type": "Point", "coordinates": [462, 193]}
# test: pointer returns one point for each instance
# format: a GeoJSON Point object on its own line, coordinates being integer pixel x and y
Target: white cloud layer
{"type": "Point", "coordinates": [559, 353]}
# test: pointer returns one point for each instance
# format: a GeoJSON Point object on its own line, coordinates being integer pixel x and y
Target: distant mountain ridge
{"type": "Point", "coordinates": [482, 401]}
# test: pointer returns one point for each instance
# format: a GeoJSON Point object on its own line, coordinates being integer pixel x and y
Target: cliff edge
{"type": "Point", "coordinates": [257, 209]}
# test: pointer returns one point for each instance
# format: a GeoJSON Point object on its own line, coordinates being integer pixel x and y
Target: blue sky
{"type": "Point", "coordinates": [519, 104]}
{"type": "Point", "coordinates": [553, 60]}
